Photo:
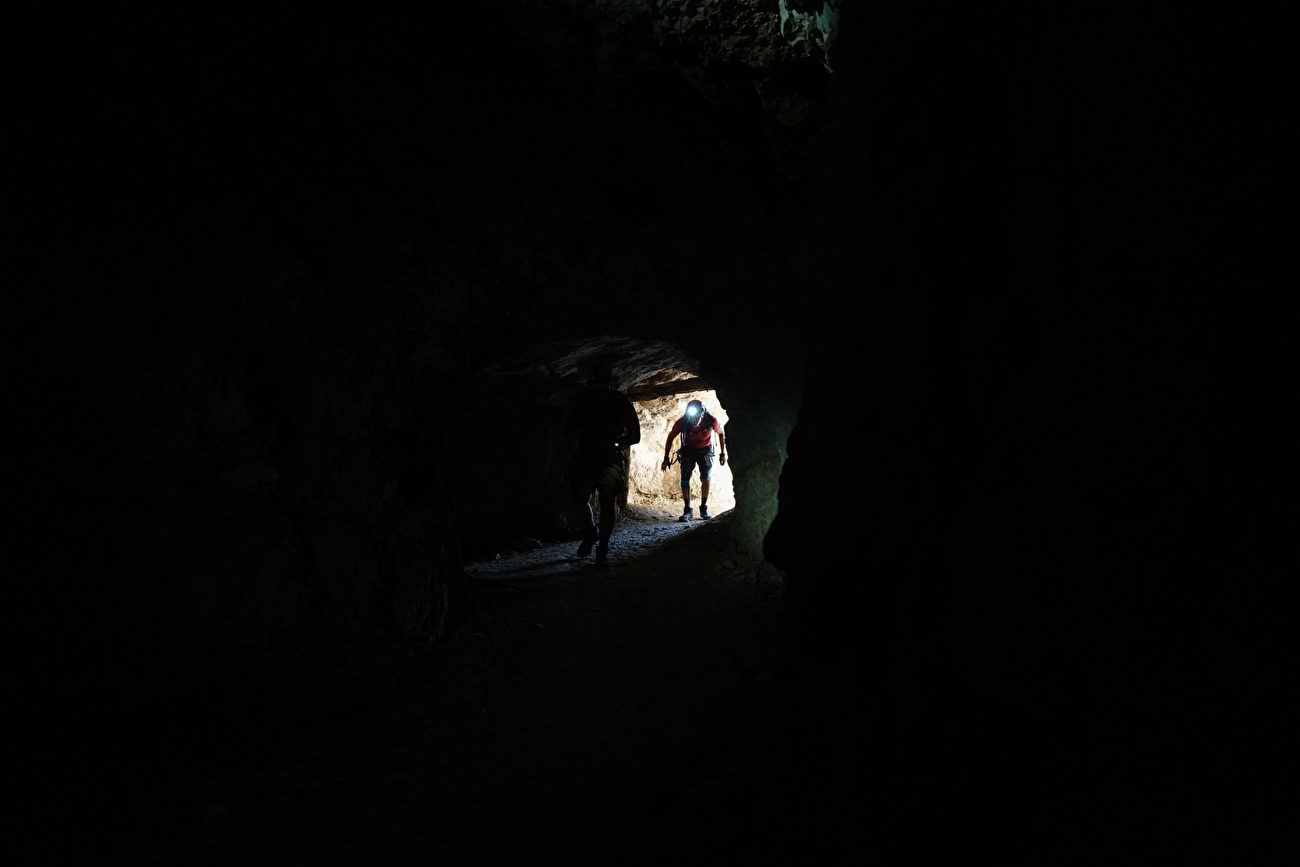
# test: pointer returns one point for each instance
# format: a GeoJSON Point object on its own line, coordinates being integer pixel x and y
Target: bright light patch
{"type": "Point", "coordinates": [654, 488]}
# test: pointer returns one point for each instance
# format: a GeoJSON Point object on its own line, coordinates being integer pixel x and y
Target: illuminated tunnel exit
{"type": "Point", "coordinates": [651, 487]}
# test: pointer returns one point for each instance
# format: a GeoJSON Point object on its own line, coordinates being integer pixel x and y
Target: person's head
{"type": "Point", "coordinates": [695, 412]}
{"type": "Point", "coordinates": [600, 375]}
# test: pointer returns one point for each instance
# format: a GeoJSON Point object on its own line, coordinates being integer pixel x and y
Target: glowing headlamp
{"type": "Point", "coordinates": [692, 411]}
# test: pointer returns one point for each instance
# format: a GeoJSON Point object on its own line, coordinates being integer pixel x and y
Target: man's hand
{"type": "Point", "coordinates": [722, 459]}
{"type": "Point", "coordinates": [664, 465]}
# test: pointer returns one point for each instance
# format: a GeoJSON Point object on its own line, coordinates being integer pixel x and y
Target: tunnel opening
{"type": "Point", "coordinates": [514, 452]}
{"type": "Point", "coordinates": [653, 491]}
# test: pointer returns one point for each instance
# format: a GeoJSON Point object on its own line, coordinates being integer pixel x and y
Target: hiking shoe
{"type": "Point", "coordinates": [704, 513]}
{"type": "Point", "coordinates": [686, 516]}
{"type": "Point", "coordinates": [601, 552]}
{"type": "Point", "coordinates": [585, 548]}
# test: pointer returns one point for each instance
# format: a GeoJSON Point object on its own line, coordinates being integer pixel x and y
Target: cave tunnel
{"type": "Point", "coordinates": [321, 291]}
{"type": "Point", "coordinates": [521, 405]}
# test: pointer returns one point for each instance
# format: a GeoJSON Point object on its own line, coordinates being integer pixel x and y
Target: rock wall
{"type": "Point", "coordinates": [1016, 611]}
{"type": "Point", "coordinates": [279, 265]}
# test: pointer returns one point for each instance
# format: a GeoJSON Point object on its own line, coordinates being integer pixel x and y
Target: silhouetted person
{"type": "Point", "coordinates": [697, 427]}
{"type": "Point", "coordinates": [605, 424]}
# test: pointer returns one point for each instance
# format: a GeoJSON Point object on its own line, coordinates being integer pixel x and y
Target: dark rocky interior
{"type": "Point", "coordinates": [326, 285]}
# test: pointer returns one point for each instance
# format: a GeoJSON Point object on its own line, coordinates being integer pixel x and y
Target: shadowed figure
{"type": "Point", "coordinates": [604, 422]}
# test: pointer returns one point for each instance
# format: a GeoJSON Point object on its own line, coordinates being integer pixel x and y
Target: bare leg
{"type": "Point", "coordinates": [586, 523]}
{"type": "Point", "coordinates": [606, 516]}
{"type": "Point", "coordinates": [606, 523]}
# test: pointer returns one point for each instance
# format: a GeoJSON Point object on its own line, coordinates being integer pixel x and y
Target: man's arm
{"type": "Point", "coordinates": [632, 427]}
{"type": "Point", "coordinates": [722, 442]}
{"type": "Point", "coordinates": [668, 444]}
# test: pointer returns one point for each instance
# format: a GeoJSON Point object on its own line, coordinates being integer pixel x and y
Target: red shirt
{"type": "Point", "coordinates": [697, 437]}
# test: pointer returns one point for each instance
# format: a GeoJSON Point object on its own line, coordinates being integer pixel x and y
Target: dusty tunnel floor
{"type": "Point", "coordinates": [587, 716]}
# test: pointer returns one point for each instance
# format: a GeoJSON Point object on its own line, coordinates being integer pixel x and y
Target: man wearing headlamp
{"type": "Point", "coordinates": [697, 427]}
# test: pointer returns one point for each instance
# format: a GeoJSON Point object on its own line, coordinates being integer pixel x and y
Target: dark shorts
{"type": "Point", "coordinates": [605, 470]}
{"type": "Point", "coordinates": [692, 458]}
